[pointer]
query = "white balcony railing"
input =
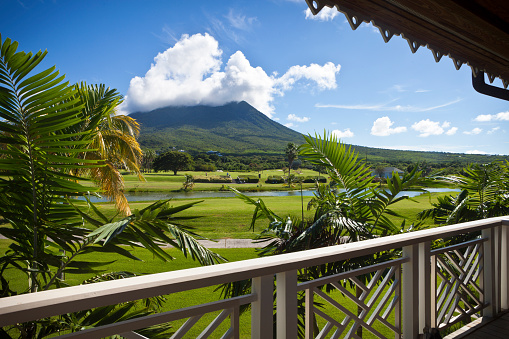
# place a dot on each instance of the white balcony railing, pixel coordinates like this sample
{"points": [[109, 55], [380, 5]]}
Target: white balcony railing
{"points": [[423, 288]]}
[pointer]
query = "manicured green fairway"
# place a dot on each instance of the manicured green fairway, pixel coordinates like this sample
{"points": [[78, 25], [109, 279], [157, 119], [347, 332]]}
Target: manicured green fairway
{"points": [[166, 181], [231, 217]]}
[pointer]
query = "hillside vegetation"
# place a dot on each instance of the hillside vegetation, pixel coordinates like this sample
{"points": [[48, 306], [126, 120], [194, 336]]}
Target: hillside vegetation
{"points": [[239, 129]]}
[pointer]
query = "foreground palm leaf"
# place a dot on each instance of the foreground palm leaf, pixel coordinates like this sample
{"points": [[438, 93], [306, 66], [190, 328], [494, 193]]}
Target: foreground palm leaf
{"points": [[114, 141], [48, 142], [484, 194]]}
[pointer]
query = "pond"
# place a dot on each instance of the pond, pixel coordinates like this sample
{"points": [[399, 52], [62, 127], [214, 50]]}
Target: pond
{"points": [[150, 196]]}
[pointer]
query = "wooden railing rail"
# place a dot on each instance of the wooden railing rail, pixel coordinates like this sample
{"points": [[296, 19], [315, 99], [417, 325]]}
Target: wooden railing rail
{"points": [[480, 266]]}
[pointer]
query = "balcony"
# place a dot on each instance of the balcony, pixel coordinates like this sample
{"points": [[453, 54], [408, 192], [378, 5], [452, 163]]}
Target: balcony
{"points": [[424, 288]]}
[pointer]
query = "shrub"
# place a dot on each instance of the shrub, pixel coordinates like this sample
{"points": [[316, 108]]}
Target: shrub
{"points": [[312, 179], [253, 179], [275, 180]]}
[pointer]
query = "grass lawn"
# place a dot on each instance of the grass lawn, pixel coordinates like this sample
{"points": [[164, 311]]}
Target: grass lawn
{"points": [[166, 181], [231, 217]]}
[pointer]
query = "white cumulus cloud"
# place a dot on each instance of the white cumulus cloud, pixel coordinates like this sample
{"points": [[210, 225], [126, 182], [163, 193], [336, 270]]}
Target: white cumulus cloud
{"points": [[452, 131], [502, 116], [428, 127], [190, 73], [293, 117], [382, 127], [326, 14], [475, 131], [343, 134]]}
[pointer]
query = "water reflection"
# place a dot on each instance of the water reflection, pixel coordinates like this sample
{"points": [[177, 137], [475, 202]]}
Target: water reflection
{"points": [[150, 196]]}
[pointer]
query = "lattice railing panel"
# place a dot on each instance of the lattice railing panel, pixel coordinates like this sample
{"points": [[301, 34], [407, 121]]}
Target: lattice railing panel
{"points": [[376, 296], [457, 271]]}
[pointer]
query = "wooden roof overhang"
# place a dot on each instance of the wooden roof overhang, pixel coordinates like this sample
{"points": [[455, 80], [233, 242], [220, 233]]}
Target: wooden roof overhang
{"points": [[472, 32]]}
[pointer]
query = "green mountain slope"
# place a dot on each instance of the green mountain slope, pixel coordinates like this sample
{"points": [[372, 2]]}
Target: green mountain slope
{"points": [[238, 128], [233, 128]]}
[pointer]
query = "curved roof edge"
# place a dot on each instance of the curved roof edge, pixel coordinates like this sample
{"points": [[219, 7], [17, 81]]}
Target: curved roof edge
{"points": [[475, 32]]}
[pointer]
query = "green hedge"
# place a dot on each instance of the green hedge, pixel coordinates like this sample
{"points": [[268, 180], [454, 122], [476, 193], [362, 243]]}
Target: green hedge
{"points": [[252, 179], [214, 180], [312, 179], [274, 180]]}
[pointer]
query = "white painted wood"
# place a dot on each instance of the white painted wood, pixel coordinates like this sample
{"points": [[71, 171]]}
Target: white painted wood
{"points": [[310, 314], [424, 286], [489, 283], [181, 332], [262, 309], [286, 305], [411, 292], [30, 306], [493, 274], [207, 332], [504, 269], [133, 335]]}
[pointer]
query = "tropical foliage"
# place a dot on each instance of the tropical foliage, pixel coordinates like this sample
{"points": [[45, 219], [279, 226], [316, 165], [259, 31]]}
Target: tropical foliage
{"points": [[114, 141], [484, 194], [350, 208], [291, 152], [47, 145]]}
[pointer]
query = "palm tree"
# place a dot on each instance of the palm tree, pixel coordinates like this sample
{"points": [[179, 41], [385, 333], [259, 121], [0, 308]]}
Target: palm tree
{"points": [[291, 152], [148, 158], [114, 141], [350, 208], [484, 194], [45, 142]]}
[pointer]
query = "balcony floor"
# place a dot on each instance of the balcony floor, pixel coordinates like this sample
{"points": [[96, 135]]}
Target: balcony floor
{"points": [[497, 328]]}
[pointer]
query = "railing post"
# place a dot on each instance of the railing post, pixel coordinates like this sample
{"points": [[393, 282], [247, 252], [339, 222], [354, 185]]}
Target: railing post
{"points": [[310, 314], [286, 305], [262, 309], [424, 286], [488, 280], [410, 298], [504, 262]]}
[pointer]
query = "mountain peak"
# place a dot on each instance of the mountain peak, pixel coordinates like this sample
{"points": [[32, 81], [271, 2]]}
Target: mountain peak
{"points": [[235, 127]]}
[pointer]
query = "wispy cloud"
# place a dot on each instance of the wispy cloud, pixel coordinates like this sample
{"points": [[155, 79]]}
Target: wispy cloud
{"points": [[387, 107], [466, 149], [475, 131], [290, 125], [476, 152], [493, 130], [239, 20]]}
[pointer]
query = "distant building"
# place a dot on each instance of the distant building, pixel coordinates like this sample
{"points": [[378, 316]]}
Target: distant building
{"points": [[215, 153], [388, 172]]}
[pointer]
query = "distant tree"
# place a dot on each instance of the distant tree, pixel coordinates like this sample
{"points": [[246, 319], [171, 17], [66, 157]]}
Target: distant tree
{"points": [[291, 152], [148, 158], [188, 184], [173, 161], [380, 170]]}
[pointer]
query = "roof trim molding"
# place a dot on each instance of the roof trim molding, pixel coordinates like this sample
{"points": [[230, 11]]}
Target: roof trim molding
{"points": [[442, 37]]}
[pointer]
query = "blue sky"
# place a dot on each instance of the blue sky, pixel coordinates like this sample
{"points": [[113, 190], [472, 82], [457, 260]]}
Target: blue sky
{"points": [[309, 73]]}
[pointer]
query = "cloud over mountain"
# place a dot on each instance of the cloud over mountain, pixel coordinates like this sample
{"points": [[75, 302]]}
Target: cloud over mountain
{"points": [[190, 73]]}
